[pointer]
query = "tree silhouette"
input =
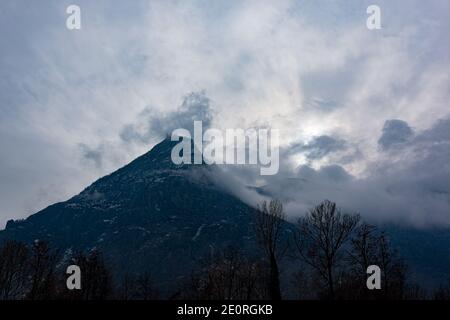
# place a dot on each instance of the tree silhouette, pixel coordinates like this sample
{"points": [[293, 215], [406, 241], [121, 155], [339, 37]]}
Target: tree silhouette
{"points": [[42, 267], [13, 270], [145, 288], [393, 269], [228, 276], [363, 253], [443, 292], [269, 220], [320, 239], [96, 280]]}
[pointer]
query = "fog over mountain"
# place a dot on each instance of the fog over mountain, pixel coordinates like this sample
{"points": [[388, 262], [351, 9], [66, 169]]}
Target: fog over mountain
{"points": [[364, 115], [408, 184]]}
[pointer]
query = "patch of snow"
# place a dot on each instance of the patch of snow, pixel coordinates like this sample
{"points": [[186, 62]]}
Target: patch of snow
{"points": [[197, 234]]}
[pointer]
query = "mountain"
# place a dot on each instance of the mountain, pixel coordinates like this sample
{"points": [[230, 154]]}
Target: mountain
{"points": [[157, 217], [151, 215], [426, 251]]}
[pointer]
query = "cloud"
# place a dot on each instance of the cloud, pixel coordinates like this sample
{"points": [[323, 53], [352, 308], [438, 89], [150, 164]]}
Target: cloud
{"points": [[409, 187], [395, 132], [437, 133], [90, 154], [151, 125], [81, 104], [320, 104], [320, 147]]}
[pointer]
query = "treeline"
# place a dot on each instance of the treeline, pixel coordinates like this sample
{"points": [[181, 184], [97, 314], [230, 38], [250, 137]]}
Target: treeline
{"points": [[325, 255], [35, 273], [38, 272]]}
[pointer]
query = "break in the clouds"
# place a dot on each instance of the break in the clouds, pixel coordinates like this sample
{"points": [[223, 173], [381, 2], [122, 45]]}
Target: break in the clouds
{"points": [[361, 108]]}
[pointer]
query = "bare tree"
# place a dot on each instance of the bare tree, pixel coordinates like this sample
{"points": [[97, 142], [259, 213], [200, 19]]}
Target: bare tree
{"points": [[145, 288], [321, 237], [228, 276], [303, 284], [372, 247], [364, 247], [362, 253], [269, 220], [13, 270], [96, 278], [443, 292], [393, 269], [415, 291], [42, 267], [127, 287]]}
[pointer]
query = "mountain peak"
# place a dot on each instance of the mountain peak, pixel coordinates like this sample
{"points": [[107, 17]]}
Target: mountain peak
{"points": [[150, 214]]}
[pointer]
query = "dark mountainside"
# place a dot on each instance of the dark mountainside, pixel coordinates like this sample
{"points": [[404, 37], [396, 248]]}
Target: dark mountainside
{"points": [[150, 215], [427, 253], [158, 217]]}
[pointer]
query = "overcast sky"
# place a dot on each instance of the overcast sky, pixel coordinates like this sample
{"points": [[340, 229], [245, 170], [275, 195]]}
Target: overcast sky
{"points": [[365, 115]]}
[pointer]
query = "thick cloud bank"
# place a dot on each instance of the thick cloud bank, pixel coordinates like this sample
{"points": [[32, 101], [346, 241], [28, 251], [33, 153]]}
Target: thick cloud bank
{"points": [[409, 183]]}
